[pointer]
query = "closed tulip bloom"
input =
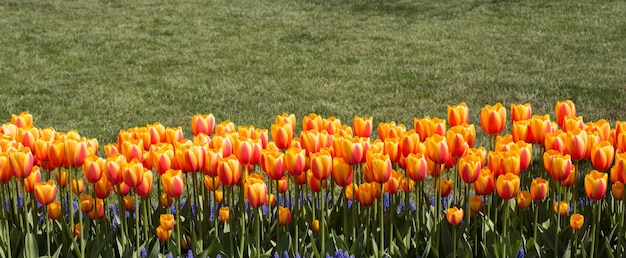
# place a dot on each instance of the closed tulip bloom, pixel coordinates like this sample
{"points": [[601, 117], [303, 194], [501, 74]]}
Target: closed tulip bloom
{"points": [[86, 203], [390, 130], [520, 112], [454, 215], [202, 124], [31, 180], [538, 189], [54, 210], [163, 234], [445, 188], [469, 168], [61, 178], [601, 127], [362, 126], [458, 114], [93, 168], [486, 182], [78, 186], [523, 200], [592, 139], [381, 168], [427, 127], [315, 184], [576, 221], [21, 162], [114, 170], [571, 178], [455, 139], [162, 157], [310, 141], [393, 184], [23, 120], [571, 123], [416, 167], [602, 155], [98, 210], [437, 149], [145, 186], [316, 225], [555, 141], [211, 183], [561, 166], [366, 194], [525, 154], [284, 216], [173, 183], [102, 187], [564, 109], [352, 150], [211, 162], [342, 172], [617, 190], [493, 119], [561, 208], [312, 122], [133, 173], [224, 214], [229, 170], [167, 221], [507, 185], [5, 168], [45, 192], [495, 160], [257, 194], [392, 149], [282, 135], [576, 143], [42, 150], [476, 203], [219, 196], [539, 127], [133, 149], [174, 135], [521, 131], [321, 165], [282, 185], [595, 184], [272, 164], [511, 162], [194, 157], [166, 200]]}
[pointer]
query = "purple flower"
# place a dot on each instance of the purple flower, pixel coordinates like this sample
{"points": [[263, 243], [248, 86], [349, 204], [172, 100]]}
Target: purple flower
{"points": [[143, 253], [189, 254], [169, 255]]}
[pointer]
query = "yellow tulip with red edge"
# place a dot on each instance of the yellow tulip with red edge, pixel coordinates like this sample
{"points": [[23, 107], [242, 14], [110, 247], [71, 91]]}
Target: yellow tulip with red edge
{"points": [[507, 185], [520, 112], [538, 189], [561, 208], [454, 215], [202, 124], [342, 172], [458, 114], [132, 173], [54, 210], [485, 183], [45, 192], [257, 194], [93, 168], [564, 109], [173, 183], [469, 168], [576, 143], [381, 168], [561, 166], [524, 200], [31, 180], [476, 203], [273, 164], [229, 170], [21, 161], [282, 134], [596, 183], [284, 216], [539, 127], [576, 221], [521, 131], [437, 149], [163, 234], [602, 155], [617, 190], [362, 126], [493, 118], [416, 167]]}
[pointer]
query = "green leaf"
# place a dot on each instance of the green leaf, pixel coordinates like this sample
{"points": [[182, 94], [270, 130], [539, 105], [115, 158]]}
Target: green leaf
{"points": [[30, 246]]}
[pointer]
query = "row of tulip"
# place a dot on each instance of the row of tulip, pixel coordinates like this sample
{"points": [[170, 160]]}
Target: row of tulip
{"points": [[231, 191]]}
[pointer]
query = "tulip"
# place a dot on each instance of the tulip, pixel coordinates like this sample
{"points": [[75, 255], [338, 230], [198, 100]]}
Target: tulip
{"points": [[54, 210], [224, 214], [163, 234], [576, 221], [390, 130], [437, 149], [393, 184], [595, 184], [295, 161], [539, 127], [202, 124], [173, 183], [166, 200], [132, 173], [392, 149], [576, 143], [571, 178], [571, 123], [427, 127], [495, 160], [416, 166], [469, 168], [507, 185], [45, 193], [476, 203], [211, 183], [564, 109], [310, 141], [129, 203], [114, 166], [145, 186], [162, 157], [456, 141], [485, 183], [284, 216], [445, 188], [602, 155], [381, 168], [229, 170], [561, 166], [520, 112], [561, 208], [173, 135], [86, 203], [93, 168], [538, 189], [315, 184], [31, 180], [316, 225], [257, 194], [367, 193], [312, 122], [5, 168], [454, 215], [521, 131], [362, 126], [282, 135], [167, 221], [601, 127], [458, 115], [23, 120], [21, 162], [493, 119], [321, 165], [511, 162], [342, 172], [617, 190], [523, 200], [78, 186]]}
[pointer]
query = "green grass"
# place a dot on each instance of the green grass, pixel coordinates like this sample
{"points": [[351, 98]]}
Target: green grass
{"points": [[102, 66]]}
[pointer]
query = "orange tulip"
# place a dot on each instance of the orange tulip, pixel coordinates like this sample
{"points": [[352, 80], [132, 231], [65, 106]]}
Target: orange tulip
{"points": [[145, 186], [595, 184], [321, 165], [602, 155], [539, 127], [571, 123], [61, 178], [617, 190], [564, 109], [284, 216], [163, 234], [493, 119], [295, 161], [224, 214], [21, 161], [454, 215], [310, 141], [538, 189], [102, 187], [162, 156], [86, 203], [367, 193], [416, 166], [576, 143], [381, 168], [114, 170], [427, 127], [392, 149], [272, 164], [202, 124], [555, 141], [167, 221], [561, 208], [78, 186], [45, 192], [458, 138], [511, 162], [31, 180], [23, 120], [173, 183], [257, 194], [315, 184], [486, 182], [390, 130], [458, 115], [129, 203], [173, 135], [312, 122], [520, 112], [166, 200], [229, 170], [352, 150], [507, 185], [316, 225], [362, 126], [495, 160], [54, 210], [93, 168], [5, 168], [576, 221], [132, 173], [521, 131], [523, 200], [342, 172], [469, 168], [445, 188], [601, 127], [42, 150], [561, 166], [437, 149], [211, 183], [98, 210], [476, 203], [282, 135]]}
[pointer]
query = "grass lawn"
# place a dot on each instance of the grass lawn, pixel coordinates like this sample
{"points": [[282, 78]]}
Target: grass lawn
{"points": [[102, 66]]}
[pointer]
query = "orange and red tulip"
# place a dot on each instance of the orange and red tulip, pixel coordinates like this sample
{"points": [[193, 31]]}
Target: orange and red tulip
{"points": [[571, 123], [257, 194], [284, 216], [342, 172], [93, 168], [507, 185], [521, 131], [523, 200], [23, 120], [295, 161], [229, 170], [367, 194], [417, 166], [454, 215], [617, 190], [173, 183], [31, 180], [561, 166], [145, 186], [392, 149], [21, 162], [173, 135], [576, 143], [445, 188], [133, 172], [458, 114], [427, 126], [486, 182], [224, 214], [390, 130], [202, 124], [493, 119], [539, 127], [381, 168], [602, 155], [211, 183], [86, 203], [321, 165], [45, 192], [576, 221], [352, 150], [54, 210], [166, 200], [520, 112], [476, 203], [167, 221], [282, 135], [78, 186], [469, 168], [561, 208], [538, 189], [596, 184], [437, 149], [312, 122], [162, 234], [564, 109], [273, 164], [362, 126]]}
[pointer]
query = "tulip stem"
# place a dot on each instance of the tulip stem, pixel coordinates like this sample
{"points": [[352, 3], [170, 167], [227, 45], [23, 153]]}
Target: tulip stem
{"points": [[297, 213], [595, 223], [47, 231], [177, 208], [145, 218], [382, 220], [454, 241], [137, 229], [258, 232], [505, 227], [535, 226]]}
